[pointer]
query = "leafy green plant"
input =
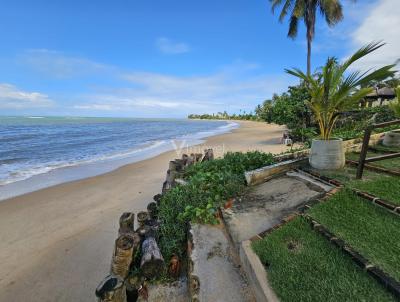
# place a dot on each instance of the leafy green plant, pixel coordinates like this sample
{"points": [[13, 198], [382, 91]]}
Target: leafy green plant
{"points": [[205, 215], [395, 106], [332, 91], [209, 186]]}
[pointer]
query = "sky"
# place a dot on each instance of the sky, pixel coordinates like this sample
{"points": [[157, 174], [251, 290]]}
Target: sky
{"points": [[157, 58]]}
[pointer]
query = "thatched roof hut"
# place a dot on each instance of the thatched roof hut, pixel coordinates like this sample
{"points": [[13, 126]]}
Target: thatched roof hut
{"points": [[386, 93]]}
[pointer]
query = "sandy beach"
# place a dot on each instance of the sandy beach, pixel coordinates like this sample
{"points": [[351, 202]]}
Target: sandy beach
{"points": [[56, 243]]}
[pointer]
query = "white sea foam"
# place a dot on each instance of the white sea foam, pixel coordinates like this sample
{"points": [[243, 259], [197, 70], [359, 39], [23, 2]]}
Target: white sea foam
{"points": [[119, 158]]}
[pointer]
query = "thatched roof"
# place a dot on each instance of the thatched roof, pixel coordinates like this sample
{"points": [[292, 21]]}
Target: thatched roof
{"points": [[384, 92]]}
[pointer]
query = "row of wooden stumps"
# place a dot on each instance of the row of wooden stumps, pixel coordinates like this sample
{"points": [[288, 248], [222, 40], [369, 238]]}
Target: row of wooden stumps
{"points": [[137, 257]]}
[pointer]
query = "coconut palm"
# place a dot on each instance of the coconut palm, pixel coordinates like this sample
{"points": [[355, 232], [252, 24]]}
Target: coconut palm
{"points": [[333, 90], [306, 10]]}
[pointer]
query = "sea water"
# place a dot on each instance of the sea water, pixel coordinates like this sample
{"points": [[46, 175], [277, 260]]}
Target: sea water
{"points": [[52, 150]]}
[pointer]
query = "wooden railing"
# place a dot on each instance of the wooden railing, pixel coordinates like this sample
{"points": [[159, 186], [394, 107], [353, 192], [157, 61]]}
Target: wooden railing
{"points": [[364, 149]]}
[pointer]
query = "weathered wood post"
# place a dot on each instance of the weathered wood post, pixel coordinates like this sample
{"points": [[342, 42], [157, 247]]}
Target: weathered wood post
{"points": [[198, 157], [125, 247], [152, 209], [184, 159], [142, 217], [126, 223], [208, 155], [111, 289], [157, 198], [152, 262]]}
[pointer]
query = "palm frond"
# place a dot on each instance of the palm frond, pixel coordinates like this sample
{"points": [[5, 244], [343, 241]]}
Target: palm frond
{"points": [[285, 9], [294, 22], [362, 52]]}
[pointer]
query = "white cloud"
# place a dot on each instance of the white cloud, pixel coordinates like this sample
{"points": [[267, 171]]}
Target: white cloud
{"points": [[13, 98], [164, 94], [167, 46], [381, 23], [239, 85], [57, 64]]}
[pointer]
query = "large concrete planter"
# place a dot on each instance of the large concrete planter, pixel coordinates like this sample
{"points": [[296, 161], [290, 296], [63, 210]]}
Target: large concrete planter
{"points": [[392, 139], [327, 154]]}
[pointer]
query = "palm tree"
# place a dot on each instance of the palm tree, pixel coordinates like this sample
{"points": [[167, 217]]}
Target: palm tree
{"points": [[306, 10], [333, 90]]}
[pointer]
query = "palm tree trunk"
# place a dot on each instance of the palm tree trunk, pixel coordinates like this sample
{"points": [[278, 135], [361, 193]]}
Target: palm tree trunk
{"points": [[308, 55]]}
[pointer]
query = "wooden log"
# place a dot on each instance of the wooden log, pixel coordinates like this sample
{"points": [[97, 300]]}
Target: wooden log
{"points": [[157, 198], [152, 209], [190, 160], [126, 223], [208, 155], [179, 164], [172, 166], [142, 217], [184, 159], [152, 262], [123, 255], [171, 175], [198, 157], [111, 289], [166, 186]]}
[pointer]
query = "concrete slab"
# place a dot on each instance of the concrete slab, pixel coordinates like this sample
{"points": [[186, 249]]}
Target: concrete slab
{"points": [[310, 180], [218, 278], [176, 291], [266, 204]]}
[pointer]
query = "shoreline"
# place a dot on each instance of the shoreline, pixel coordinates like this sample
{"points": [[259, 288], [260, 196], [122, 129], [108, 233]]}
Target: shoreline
{"points": [[79, 171], [61, 238]]}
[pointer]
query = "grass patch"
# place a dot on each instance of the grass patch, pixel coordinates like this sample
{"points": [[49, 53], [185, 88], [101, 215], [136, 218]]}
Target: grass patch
{"points": [[369, 229], [391, 164], [382, 185], [304, 266]]}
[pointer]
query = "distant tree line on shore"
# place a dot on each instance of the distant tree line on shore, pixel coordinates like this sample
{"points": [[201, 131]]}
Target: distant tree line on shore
{"points": [[290, 109], [225, 116]]}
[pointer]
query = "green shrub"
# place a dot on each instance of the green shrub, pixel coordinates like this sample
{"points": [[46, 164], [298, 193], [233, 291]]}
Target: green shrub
{"points": [[210, 185]]}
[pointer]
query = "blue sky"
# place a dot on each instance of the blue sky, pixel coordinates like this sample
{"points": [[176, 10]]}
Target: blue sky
{"points": [[166, 58]]}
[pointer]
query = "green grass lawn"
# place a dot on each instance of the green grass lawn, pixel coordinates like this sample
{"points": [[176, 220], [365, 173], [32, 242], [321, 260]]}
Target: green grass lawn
{"points": [[304, 266], [382, 185], [391, 164], [369, 229]]}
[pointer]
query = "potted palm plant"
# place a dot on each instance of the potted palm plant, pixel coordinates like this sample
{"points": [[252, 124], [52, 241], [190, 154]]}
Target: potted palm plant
{"points": [[333, 91], [392, 138]]}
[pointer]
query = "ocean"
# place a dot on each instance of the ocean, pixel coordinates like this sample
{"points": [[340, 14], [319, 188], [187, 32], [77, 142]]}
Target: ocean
{"points": [[52, 150]]}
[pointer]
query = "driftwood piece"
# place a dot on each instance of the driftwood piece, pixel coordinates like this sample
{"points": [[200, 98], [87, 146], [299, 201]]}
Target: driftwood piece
{"points": [[126, 223], [111, 289], [125, 247], [152, 262]]}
